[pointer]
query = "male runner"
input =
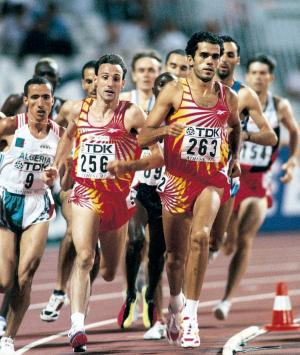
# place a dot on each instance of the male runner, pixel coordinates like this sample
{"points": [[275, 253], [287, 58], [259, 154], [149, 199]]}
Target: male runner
{"points": [[146, 67], [66, 250], [14, 104], [104, 161], [177, 63], [195, 182], [254, 198], [26, 202], [248, 104]]}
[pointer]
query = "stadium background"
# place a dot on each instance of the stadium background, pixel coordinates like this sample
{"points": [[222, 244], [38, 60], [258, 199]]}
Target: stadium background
{"points": [[84, 30]]}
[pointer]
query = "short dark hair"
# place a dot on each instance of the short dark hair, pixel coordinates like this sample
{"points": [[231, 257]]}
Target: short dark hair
{"points": [[114, 59], [175, 51], [145, 54], [90, 64], [262, 58], [199, 37], [36, 80], [161, 81], [226, 38]]}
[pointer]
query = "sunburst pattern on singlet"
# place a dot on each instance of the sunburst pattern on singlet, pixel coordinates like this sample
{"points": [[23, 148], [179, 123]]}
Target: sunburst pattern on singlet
{"points": [[96, 146], [202, 149]]}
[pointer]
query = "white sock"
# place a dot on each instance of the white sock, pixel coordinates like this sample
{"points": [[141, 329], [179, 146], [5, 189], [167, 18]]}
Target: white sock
{"points": [[176, 302], [77, 319], [190, 309]]}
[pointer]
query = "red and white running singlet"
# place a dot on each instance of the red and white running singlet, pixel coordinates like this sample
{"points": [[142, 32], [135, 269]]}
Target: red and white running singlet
{"points": [[96, 146], [202, 149]]}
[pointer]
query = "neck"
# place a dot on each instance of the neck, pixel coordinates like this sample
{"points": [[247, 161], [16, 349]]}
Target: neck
{"points": [[263, 97], [229, 80], [36, 125], [102, 106], [144, 94], [200, 84]]}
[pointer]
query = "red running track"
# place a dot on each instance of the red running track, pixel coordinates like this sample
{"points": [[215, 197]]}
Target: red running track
{"points": [[275, 258]]}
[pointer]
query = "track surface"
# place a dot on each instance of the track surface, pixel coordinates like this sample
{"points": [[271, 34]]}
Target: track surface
{"points": [[275, 258]]}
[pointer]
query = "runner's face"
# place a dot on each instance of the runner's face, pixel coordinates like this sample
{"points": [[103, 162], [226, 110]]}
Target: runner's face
{"points": [[109, 82], [205, 61], [39, 101], [48, 72], [146, 70], [88, 82], [228, 61], [259, 77], [178, 65]]}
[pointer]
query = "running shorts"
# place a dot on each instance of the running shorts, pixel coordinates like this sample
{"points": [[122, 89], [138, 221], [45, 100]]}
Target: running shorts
{"points": [[114, 208], [18, 212], [178, 194]]}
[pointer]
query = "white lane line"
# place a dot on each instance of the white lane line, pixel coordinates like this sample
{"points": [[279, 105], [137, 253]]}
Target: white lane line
{"points": [[242, 299], [214, 272], [207, 285]]}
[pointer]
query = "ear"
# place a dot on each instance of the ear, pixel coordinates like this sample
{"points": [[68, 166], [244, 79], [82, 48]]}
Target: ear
{"points": [[133, 77], [272, 77], [123, 84], [190, 60], [25, 100], [239, 61]]}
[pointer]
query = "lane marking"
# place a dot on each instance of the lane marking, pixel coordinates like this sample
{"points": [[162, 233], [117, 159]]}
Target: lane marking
{"points": [[99, 324], [207, 285]]}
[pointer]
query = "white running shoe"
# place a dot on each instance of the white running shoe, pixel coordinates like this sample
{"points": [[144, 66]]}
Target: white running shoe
{"points": [[190, 333], [2, 326], [7, 346], [78, 339], [212, 256], [174, 326], [51, 312], [158, 331], [222, 309]]}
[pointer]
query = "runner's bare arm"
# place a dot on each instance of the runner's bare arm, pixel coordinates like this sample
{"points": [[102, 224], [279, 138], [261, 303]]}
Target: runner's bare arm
{"points": [[266, 135], [8, 126], [64, 114], [169, 97], [286, 116], [234, 137]]}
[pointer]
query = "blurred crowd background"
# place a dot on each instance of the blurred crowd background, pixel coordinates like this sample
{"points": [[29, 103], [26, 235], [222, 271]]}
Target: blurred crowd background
{"points": [[74, 32]]}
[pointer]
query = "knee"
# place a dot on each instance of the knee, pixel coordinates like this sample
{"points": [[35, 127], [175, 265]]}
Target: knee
{"points": [[200, 240], [25, 276], [108, 274], [85, 259], [136, 243], [244, 243], [175, 261], [6, 283]]}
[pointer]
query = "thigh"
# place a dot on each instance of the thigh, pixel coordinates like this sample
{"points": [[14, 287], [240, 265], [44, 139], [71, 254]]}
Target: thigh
{"points": [[206, 208], [7, 251], [176, 231], [112, 245], [66, 205], [252, 214], [85, 228], [137, 223], [32, 246]]}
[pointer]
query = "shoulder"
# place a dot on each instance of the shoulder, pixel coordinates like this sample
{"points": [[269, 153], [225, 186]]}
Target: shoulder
{"points": [[134, 116], [231, 95]]}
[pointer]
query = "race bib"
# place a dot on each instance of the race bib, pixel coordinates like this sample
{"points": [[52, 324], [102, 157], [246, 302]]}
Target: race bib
{"points": [[93, 159], [255, 154], [150, 177], [201, 144]]}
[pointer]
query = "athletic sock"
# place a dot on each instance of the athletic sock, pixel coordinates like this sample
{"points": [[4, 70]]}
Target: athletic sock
{"points": [[190, 309], [77, 320]]}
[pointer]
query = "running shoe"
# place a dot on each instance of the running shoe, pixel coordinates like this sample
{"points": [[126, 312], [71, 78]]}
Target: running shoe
{"points": [[51, 312], [190, 333], [158, 331], [127, 314], [222, 309], [77, 339], [149, 310], [2, 326], [174, 326], [7, 346]]}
